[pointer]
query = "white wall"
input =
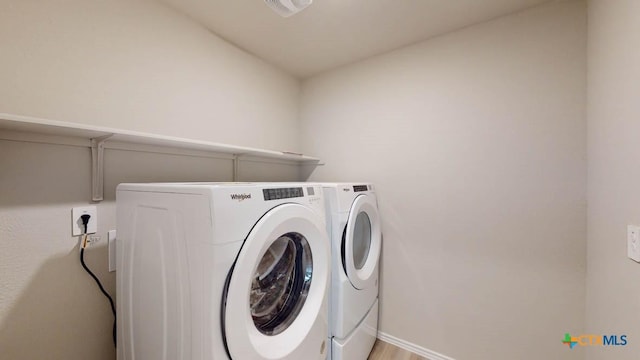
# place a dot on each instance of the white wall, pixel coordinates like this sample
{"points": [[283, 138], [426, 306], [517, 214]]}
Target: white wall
{"points": [[127, 64], [613, 289], [477, 143], [138, 65]]}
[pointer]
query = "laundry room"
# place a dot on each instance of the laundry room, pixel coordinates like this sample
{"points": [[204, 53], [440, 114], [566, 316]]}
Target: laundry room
{"points": [[490, 144]]}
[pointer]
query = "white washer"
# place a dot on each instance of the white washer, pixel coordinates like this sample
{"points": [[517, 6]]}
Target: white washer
{"points": [[222, 271], [353, 224]]}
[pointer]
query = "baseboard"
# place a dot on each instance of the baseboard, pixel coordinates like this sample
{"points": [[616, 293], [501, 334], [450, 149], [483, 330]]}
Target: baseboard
{"points": [[419, 350]]}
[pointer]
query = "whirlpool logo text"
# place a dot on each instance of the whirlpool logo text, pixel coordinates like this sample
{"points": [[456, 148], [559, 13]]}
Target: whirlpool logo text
{"points": [[240, 197]]}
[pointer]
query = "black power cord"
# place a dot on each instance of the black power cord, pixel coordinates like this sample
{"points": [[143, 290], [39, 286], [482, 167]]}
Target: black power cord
{"points": [[85, 220]]}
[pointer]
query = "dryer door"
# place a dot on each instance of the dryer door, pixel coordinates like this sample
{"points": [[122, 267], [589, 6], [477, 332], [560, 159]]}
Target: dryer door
{"points": [[361, 243], [275, 305]]}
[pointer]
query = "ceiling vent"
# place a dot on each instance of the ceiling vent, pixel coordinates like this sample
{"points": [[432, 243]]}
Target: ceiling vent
{"points": [[287, 8]]}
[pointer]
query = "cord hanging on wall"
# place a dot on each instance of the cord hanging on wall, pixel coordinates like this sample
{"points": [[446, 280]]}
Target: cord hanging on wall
{"points": [[83, 244], [287, 8]]}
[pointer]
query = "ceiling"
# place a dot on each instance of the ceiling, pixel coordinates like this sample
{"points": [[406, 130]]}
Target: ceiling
{"points": [[330, 33]]}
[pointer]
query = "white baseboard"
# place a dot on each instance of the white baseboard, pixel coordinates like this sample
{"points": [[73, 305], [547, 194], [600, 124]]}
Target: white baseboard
{"points": [[419, 350]]}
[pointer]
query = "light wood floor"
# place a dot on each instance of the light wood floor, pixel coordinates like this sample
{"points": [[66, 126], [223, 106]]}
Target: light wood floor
{"points": [[385, 351]]}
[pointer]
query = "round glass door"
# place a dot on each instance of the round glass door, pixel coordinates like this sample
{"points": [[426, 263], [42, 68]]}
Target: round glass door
{"points": [[274, 300], [281, 283], [362, 242]]}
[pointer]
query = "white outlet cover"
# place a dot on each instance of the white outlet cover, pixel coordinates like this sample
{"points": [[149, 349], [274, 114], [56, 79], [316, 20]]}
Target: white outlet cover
{"points": [[633, 242], [76, 221]]}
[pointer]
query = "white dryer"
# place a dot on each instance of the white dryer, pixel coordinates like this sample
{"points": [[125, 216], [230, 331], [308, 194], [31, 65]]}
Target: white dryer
{"points": [[353, 224], [222, 271]]}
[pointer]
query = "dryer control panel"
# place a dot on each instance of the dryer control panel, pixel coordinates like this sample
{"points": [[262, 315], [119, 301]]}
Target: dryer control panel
{"points": [[312, 193], [359, 188]]}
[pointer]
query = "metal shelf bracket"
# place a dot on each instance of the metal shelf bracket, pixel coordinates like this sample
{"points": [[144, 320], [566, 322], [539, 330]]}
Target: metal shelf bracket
{"points": [[97, 167], [236, 166]]}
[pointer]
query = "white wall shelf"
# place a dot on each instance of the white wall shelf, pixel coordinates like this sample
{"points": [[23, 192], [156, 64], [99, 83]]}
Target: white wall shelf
{"points": [[24, 128]]}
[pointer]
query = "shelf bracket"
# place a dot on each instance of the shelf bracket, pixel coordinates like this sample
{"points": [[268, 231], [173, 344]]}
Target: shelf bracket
{"points": [[97, 167], [236, 164]]}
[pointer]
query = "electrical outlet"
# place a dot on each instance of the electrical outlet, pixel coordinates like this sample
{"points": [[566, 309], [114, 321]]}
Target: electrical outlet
{"points": [[94, 240], [76, 220]]}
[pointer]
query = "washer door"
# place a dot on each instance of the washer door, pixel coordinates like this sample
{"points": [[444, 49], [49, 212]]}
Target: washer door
{"points": [[275, 302], [361, 243]]}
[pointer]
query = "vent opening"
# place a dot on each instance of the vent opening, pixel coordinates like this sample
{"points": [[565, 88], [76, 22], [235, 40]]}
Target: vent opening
{"points": [[287, 8]]}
